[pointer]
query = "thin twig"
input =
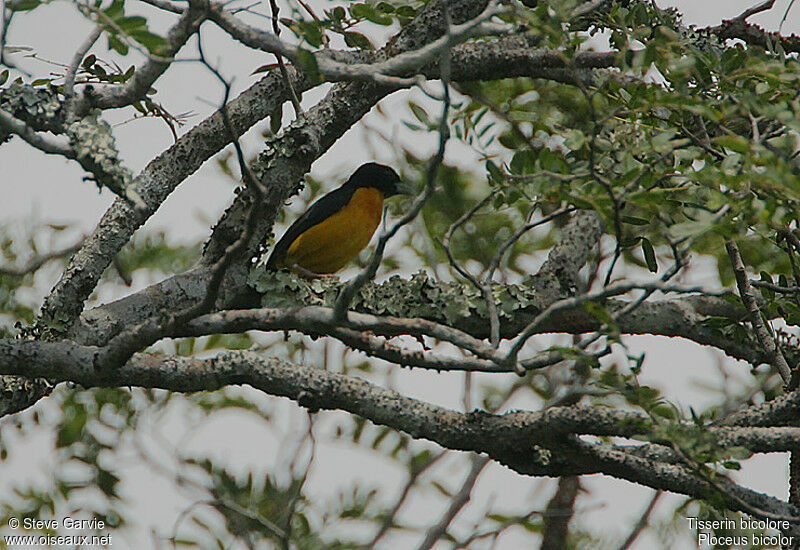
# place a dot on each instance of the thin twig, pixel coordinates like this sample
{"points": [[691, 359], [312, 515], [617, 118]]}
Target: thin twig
{"points": [[483, 287], [478, 535], [376, 347], [104, 19], [285, 540], [678, 264], [605, 292], [33, 264], [763, 6], [320, 320], [69, 77], [324, 36], [785, 15], [748, 508], [456, 504], [165, 5], [386, 72], [388, 521], [7, 15], [219, 502], [368, 273], [520, 232], [748, 299], [252, 184], [775, 288], [644, 519], [298, 110], [124, 345]]}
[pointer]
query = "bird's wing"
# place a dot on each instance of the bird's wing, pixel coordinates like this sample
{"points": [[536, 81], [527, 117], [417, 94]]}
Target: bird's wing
{"points": [[320, 211]]}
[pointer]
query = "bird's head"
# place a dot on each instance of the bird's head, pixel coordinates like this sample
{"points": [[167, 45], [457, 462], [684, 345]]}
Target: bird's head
{"points": [[381, 177]]}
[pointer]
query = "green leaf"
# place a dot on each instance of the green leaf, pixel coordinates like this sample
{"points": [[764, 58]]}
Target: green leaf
{"points": [[359, 10], [375, 16], [311, 31], [733, 142], [338, 13], [406, 11], [574, 139], [649, 255], [26, 5], [495, 174], [106, 481], [419, 113], [309, 64], [132, 23], [442, 489], [634, 220], [265, 68], [71, 429], [114, 43], [357, 40], [276, 119], [664, 411], [598, 312], [149, 40], [115, 11], [739, 453]]}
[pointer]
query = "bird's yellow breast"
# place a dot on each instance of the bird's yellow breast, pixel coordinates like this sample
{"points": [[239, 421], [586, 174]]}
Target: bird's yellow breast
{"points": [[329, 245]]}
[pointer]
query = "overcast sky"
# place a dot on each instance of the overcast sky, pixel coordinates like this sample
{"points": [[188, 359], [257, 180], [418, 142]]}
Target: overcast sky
{"points": [[50, 189]]}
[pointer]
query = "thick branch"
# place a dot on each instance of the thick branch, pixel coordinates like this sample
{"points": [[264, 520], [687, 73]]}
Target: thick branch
{"points": [[528, 442], [289, 157], [403, 63], [479, 60], [558, 277], [451, 305], [159, 178], [754, 35], [109, 97], [46, 144], [558, 514]]}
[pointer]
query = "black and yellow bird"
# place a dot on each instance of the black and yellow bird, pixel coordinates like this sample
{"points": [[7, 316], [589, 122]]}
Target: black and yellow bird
{"points": [[340, 224]]}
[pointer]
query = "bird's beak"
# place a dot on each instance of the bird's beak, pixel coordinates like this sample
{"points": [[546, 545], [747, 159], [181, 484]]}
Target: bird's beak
{"points": [[404, 188]]}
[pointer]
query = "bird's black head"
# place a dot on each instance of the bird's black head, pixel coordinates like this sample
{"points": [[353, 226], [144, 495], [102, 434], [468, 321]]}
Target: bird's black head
{"points": [[381, 177]]}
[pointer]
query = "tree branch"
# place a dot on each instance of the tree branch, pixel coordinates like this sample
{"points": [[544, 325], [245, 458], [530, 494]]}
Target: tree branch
{"points": [[162, 175], [776, 358], [511, 439], [158, 179], [37, 261], [112, 97], [398, 65], [754, 35], [459, 500], [558, 514]]}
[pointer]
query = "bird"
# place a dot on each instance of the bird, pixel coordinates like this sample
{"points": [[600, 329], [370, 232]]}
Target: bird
{"points": [[339, 225]]}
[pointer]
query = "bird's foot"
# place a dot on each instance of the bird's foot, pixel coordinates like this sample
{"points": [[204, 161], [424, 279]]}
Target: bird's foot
{"points": [[306, 274]]}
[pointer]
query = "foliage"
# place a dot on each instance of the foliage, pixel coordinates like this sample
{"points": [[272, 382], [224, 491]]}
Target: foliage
{"points": [[686, 143]]}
